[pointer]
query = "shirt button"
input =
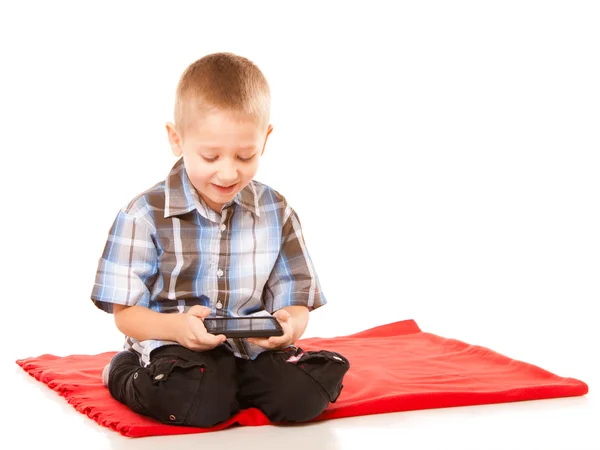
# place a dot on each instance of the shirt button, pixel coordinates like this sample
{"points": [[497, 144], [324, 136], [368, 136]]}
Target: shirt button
{"points": [[219, 273], [223, 227], [219, 305]]}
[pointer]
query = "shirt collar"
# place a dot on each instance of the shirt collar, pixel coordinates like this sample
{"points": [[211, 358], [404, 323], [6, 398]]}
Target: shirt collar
{"points": [[181, 196]]}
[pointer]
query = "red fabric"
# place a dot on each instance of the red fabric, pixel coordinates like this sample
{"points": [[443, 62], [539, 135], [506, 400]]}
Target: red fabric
{"points": [[394, 367]]}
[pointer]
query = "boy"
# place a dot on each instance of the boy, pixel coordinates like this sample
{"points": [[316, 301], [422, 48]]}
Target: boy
{"points": [[211, 241]]}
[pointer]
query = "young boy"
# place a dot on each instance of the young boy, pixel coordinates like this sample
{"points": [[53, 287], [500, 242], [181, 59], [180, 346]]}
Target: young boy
{"points": [[211, 241]]}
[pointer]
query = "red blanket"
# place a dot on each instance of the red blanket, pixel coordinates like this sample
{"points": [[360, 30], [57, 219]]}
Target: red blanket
{"points": [[394, 367]]}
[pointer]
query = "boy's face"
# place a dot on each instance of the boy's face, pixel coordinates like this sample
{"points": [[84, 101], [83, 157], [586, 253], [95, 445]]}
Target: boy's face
{"points": [[221, 154]]}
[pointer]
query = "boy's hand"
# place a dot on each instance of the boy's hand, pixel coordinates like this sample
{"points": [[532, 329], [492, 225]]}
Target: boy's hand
{"points": [[191, 332], [278, 342]]}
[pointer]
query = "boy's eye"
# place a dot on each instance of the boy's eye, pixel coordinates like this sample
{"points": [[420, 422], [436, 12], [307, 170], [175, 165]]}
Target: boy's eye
{"points": [[214, 158]]}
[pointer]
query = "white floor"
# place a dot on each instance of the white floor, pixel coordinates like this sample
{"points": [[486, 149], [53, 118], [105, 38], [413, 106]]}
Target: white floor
{"points": [[43, 418], [40, 417]]}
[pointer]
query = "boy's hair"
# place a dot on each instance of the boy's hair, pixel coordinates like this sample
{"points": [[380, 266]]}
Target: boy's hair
{"points": [[222, 81]]}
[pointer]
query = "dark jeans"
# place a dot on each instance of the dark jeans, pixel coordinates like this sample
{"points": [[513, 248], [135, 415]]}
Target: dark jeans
{"points": [[202, 389]]}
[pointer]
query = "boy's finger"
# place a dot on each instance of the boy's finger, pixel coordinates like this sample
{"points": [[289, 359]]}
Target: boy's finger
{"points": [[258, 341], [211, 339], [199, 311], [282, 315], [278, 341]]}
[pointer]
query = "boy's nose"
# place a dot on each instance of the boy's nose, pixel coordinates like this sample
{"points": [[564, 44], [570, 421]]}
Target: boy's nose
{"points": [[228, 173]]}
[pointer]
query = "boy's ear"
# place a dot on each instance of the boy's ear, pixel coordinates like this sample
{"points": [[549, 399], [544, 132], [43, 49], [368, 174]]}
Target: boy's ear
{"points": [[174, 139], [269, 131]]}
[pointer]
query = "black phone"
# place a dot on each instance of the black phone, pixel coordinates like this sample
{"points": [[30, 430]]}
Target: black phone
{"points": [[243, 327]]}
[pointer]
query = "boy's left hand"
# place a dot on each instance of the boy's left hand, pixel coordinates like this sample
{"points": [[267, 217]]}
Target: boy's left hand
{"points": [[278, 342]]}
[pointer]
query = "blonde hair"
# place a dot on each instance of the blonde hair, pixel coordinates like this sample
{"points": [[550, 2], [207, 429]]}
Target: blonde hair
{"points": [[222, 81]]}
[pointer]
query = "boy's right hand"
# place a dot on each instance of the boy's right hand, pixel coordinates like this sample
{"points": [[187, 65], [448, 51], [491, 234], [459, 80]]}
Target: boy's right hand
{"points": [[191, 332]]}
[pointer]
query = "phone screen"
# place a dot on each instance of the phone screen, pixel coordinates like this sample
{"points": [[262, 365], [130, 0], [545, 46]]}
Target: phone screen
{"points": [[243, 326]]}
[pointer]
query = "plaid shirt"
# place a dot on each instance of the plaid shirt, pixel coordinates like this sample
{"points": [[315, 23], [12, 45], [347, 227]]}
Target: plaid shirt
{"points": [[168, 251]]}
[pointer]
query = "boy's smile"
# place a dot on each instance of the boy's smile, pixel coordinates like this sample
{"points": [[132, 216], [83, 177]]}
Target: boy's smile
{"points": [[221, 153], [225, 189]]}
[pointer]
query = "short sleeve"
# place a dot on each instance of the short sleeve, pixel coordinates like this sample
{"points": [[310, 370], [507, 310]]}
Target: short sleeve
{"points": [[293, 280], [128, 265]]}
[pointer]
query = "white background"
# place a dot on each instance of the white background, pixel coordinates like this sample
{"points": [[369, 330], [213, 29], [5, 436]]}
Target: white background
{"points": [[442, 157]]}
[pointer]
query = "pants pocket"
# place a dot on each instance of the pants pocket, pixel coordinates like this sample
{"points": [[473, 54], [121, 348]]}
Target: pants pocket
{"points": [[327, 369], [174, 390]]}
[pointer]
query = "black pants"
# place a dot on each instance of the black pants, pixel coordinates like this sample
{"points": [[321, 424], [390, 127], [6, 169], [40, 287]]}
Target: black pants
{"points": [[202, 389]]}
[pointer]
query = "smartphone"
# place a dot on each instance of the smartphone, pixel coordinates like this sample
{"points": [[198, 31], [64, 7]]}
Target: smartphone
{"points": [[243, 327]]}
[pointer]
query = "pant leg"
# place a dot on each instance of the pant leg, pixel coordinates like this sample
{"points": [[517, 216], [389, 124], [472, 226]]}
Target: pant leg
{"points": [[291, 385], [179, 387]]}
